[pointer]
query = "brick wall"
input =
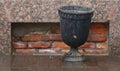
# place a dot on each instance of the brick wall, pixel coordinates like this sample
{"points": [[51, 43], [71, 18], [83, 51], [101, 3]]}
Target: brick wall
{"points": [[31, 38]]}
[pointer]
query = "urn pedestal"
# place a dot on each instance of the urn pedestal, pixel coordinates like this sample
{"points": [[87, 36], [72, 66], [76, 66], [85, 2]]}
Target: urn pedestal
{"points": [[74, 25]]}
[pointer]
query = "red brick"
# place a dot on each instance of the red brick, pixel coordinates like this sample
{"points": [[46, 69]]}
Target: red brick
{"points": [[63, 45], [48, 50], [95, 51], [88, 51], [88, 45], [54, 30], [51, 50], [101, 45], [31, 37], [51, 37], [81, 51], [98, 28], [67, 50], [25, 50], [39, 44], [19, 44], [59, 45], [97, 38], [15, 39]]}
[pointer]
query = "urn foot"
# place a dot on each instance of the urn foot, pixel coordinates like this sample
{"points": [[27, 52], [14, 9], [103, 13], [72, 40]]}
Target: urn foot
{"points": [[73, 55]]}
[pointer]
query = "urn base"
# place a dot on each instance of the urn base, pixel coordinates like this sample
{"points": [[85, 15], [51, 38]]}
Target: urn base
{"points": [[73, 55]]}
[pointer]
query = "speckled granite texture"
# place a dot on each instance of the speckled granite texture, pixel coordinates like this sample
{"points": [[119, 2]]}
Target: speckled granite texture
{"points": [[46, 11]]}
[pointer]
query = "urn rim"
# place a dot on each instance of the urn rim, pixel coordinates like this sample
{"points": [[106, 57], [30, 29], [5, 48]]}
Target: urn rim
{"points": [[76, 9]]}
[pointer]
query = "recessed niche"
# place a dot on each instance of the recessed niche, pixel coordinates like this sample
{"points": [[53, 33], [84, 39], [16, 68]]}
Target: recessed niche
{"points": [[45, 38]]}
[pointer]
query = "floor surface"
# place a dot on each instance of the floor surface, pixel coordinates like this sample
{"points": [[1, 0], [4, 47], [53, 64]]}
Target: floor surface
{"points": [[55, 63]]}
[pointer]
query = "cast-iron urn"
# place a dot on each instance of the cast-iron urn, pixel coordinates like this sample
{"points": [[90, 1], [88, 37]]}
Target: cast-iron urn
{"points": [[74, 25]]}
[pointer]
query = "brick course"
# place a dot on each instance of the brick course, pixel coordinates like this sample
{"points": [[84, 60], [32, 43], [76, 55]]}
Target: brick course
{"points": [[39, 44], [31, 37], [19, 44], [59, 45], [51, 37], [25, 51], [99, 28], [97, 38]]}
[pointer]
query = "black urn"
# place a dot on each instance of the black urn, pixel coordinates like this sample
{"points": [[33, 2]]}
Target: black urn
{"points": [[74, 25]]}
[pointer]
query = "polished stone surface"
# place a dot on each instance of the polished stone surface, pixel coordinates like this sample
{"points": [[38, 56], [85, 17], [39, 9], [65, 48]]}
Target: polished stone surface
{"points": [[54, 63]]}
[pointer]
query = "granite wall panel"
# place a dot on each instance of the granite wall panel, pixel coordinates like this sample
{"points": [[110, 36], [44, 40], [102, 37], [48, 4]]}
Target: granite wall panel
{"points": [[46, 11]]}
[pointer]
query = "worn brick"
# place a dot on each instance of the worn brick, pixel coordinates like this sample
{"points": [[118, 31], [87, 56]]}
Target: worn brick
{"points": [[31, 37], [81, 51], [101, 45], [25, 50], [49, 50], [97, 38], [15, 39], [59, 45], [39, 44], [98, 28], [54, 30], [88, 51], [20, 44], [67, 50], [88, 45], [63, 45], [51, 37], [95, 51]]}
